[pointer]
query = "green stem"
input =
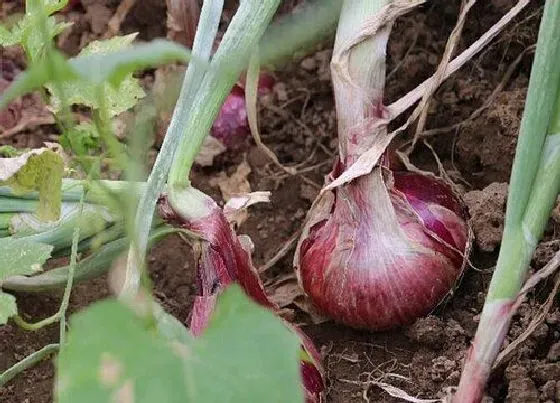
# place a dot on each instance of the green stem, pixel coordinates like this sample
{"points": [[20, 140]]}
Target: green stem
{"points": [[28, 362], [541, 96], [534, 186], [202, 48], [33, 327], [71, 273], [92, 266], [299, 33], [239, 41]]}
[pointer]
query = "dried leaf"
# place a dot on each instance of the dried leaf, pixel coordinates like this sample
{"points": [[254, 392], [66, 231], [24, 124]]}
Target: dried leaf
{"points": [[235, 209], [211, 148], [234, 185]]}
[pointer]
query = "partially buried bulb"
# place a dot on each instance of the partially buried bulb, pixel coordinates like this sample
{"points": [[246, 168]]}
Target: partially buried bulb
{"points": [[384, 249]]}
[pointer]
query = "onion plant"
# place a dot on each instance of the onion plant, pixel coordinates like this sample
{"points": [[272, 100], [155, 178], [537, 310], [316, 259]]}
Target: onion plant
{"points": [[534, 187]]}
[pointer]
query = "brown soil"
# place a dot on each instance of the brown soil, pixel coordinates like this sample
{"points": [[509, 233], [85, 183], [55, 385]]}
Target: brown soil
{"points": [[298, 122]]}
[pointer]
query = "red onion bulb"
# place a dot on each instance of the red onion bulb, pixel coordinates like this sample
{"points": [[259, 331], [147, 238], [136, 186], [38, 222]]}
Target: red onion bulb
{"points": [[384, 249], [231, 126], [223, 258]]}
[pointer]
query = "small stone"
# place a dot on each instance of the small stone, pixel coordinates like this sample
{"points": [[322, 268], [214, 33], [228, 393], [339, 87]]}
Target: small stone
{"points": [[549, 390], [309, 64], [516, 371], [554, 352], [553, 318], [543, 372], [280, 91], [557, 397], [427, 330], [522, 390]]}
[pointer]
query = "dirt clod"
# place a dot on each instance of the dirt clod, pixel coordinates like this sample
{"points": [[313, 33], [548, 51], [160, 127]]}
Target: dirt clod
{"points": [[554, 352], [549, 391], [487, 208], [429, 330], [522, 390]]}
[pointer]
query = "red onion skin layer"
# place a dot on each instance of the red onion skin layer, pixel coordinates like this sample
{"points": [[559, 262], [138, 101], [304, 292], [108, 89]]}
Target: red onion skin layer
{"points": [[231, 126], [222, 259], [384, 249]]}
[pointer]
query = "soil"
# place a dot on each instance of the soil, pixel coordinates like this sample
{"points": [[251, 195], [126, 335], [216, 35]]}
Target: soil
{"points": [[298, 124]]}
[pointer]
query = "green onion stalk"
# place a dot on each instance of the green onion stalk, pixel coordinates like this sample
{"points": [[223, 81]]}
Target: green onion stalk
{"points": [[193, 117], [534, 187]]}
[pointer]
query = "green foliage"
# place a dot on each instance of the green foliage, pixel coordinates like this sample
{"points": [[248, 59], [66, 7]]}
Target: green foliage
{"points": [[122, 95], [26, 33], [37, 170], [95, 69], [245, 355], [18, 257], [81, 138]]}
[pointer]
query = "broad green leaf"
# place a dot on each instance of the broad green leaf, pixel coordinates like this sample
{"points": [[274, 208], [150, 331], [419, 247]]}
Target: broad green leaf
{"points": [[245, 355], [37, 170], [8, 307], [94, 69], [118, 97], [47, 7], [18, 257]]}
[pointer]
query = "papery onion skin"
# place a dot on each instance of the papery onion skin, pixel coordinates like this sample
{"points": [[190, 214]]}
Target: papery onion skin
{"points": [[391, 248], [222, 258]]}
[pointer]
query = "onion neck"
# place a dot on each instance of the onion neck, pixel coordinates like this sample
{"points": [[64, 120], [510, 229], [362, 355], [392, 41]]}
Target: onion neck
{"points": [[359, 93]]}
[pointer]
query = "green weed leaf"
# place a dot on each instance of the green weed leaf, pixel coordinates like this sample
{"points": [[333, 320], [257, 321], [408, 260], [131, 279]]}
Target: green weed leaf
{"points": [[18, 257], [245, 355], [37, 170], [84, 90], [83, 73], [26, 33], [81, 139]]}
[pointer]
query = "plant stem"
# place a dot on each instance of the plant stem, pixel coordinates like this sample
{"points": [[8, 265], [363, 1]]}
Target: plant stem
{"points": [[299, 32], [534, 186], [202, 47], [71, 271], [359, 94], [27, 363], [238, 43], [92, 266], [61, 314]]}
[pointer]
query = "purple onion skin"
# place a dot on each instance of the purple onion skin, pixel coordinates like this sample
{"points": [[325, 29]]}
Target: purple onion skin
{"points": [[231, 126], [221, 260], [375, 268]]}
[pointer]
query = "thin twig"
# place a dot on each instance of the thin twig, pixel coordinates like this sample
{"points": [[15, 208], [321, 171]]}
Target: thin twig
{"points": [[281, 252], [31, 122], [116, 20], [398, 107], [438, 76], [535, 323], [488, 101]]}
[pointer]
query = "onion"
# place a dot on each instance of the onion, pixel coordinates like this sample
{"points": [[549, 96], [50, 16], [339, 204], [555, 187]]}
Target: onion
{"points": [[384, 249], [231, 126], [223, 258]]}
